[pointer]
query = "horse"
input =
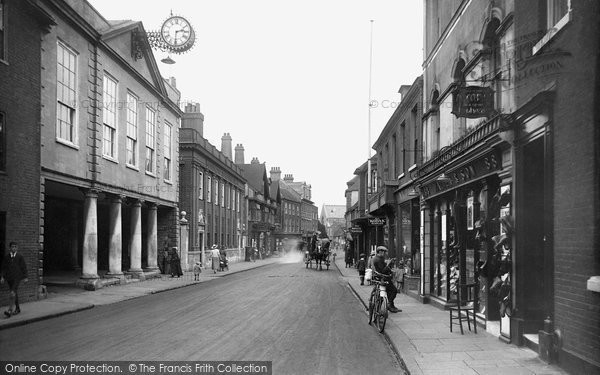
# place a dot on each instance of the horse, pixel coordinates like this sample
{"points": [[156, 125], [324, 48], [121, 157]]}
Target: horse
{"points": [[322, 254]]}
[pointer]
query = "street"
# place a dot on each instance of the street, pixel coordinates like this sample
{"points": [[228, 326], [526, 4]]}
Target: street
{"points": [[305, 321]]}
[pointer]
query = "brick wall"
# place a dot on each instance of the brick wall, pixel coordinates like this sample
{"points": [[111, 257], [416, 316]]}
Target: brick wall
{"points": [[576, 165], [577, 310], [20, 185]]}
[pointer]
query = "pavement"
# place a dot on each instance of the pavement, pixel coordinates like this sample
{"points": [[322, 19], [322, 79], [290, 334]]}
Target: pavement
{"points": [[421, 337], [66, 300]]}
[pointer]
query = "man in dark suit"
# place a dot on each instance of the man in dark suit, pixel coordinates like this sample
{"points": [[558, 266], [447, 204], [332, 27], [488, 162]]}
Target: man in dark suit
{"points": [[14, 270]]}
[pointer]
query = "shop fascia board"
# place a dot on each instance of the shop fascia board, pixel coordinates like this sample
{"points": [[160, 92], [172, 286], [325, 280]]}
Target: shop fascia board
{"points": [[469, 156]]}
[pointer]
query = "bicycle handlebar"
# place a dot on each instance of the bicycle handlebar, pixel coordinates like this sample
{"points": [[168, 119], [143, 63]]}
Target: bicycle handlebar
{"points": [[382, 275]]}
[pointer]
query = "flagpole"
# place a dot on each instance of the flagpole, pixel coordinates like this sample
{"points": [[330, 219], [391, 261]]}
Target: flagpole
{"points": [[369, 122], [369, 182]]}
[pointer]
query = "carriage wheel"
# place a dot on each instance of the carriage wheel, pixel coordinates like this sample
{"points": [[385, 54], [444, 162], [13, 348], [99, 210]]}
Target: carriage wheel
{"points": [[382, 314], [371, 306]]}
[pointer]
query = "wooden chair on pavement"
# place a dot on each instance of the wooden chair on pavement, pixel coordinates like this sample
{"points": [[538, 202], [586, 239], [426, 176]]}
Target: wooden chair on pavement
{"points": [[466, 302]]}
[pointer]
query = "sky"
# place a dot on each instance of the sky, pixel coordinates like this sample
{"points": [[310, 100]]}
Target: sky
{"points": [[290, 79]]}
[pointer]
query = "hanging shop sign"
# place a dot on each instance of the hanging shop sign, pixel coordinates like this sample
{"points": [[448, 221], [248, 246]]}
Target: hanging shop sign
{"points": [[376, 221], [356, 229], [483, 166], [473, 102]]}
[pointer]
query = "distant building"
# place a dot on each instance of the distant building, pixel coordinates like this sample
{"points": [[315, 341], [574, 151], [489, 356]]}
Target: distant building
{"points": [[288, 233], [332, 218], [399, 153], [212, 190], [308, 210], [262, 208]]}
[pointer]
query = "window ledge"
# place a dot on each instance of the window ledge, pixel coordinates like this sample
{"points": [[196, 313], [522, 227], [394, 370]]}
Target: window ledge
{"points": [[169, 182], [150, 174], [4, 62], [111, 159], [551, 33], [131, 166], [67, 143]]}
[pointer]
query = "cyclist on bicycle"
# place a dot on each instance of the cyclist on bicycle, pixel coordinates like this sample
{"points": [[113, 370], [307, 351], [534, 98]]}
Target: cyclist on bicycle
{"points": [[381, 266]]}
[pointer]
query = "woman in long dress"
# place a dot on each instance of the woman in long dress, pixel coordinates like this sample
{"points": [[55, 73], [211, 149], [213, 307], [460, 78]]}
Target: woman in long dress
{"points": [[175, 263], [216, 258]]}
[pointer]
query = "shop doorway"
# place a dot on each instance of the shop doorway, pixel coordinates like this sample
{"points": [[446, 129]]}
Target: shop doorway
{"points": [[535, 280]]}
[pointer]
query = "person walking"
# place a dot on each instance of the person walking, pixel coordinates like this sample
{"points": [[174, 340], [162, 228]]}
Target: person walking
{"points": [[215, 256], [175, 263], [362, 267], [14, 270]]}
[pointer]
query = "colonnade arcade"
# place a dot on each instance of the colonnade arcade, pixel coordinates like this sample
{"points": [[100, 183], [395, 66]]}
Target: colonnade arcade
{"points": [[105, 237]]}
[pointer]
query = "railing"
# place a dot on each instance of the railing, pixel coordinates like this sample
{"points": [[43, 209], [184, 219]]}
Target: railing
{"points": [[448, 153]]}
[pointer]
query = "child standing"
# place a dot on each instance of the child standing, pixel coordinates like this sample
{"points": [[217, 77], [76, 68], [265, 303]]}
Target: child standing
{"points": [[362, 266], [197, 270]]}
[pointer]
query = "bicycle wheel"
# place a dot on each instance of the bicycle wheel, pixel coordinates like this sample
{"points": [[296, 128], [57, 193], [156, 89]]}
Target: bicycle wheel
{"points": [[382, 314], [371, 306]]}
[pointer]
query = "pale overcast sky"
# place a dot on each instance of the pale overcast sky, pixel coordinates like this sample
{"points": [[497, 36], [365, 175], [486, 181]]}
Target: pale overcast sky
{"points": [[290, 79]]}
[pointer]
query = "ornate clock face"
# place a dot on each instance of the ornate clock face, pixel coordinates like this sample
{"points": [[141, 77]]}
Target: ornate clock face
{"points": [[177, 33]]}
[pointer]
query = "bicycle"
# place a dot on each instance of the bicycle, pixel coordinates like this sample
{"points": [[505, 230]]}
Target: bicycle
{"points": [[378, 302]]}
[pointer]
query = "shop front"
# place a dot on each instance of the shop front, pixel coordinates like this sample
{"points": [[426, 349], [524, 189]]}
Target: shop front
{"points": [[408, 236], [465, 199]]}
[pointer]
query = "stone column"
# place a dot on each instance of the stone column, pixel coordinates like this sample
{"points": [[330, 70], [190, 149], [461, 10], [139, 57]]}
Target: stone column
{"points": [[115, 247], [89, 277], [135, 244], [75, 219], [152, 237]]}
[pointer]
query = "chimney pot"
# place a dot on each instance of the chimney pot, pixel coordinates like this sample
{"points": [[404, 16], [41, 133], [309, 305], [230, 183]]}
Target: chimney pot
{"points": [[226, 145], [239, 154]]}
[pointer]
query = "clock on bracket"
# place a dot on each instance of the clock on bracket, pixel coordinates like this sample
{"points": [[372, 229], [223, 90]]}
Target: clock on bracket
{"points": [[177, 34]]}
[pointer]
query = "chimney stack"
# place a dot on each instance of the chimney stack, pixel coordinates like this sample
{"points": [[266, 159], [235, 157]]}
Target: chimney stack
{"points": [[255, 161], [239, 154], [275, 174], [226, 145], [173, 82], [193, 118], [288, 178]]}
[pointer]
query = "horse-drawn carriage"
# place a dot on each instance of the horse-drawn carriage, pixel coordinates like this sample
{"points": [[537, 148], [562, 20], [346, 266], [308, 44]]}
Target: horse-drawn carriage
{"points": [[318, 250]]}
